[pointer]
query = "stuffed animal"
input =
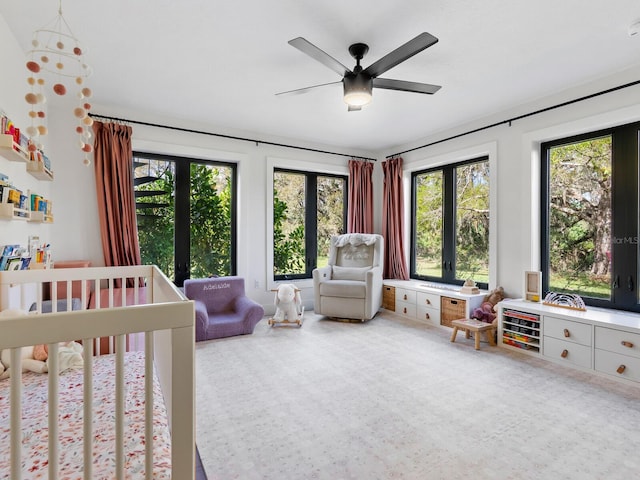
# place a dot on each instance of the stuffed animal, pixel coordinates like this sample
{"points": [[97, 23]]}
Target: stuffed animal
{"points": [[287, 303], [486, 312], [36, 358], [30, 362]]}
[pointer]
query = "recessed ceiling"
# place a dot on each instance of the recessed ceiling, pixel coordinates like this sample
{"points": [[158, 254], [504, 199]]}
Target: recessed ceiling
{"points": [[220, 64]]}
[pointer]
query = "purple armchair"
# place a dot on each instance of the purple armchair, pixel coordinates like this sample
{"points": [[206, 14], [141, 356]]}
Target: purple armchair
{"points": [[222, 308]]}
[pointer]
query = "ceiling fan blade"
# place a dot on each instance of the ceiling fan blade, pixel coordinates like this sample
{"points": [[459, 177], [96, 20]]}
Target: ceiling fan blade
{"points": [[351, 108], [314, 52], [306, 89], [400, 54], [405, 86]]}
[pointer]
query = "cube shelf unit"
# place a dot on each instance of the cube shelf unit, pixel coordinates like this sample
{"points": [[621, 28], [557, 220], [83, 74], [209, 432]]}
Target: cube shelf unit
{"points": [[521, 330]]}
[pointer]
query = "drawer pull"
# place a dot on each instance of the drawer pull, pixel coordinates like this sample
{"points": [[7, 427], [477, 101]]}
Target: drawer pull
{"points": [[624, 343], [621, 369], [426, 316], [405, 296], [566, 333], [564, 353], [404, 310], [427, 301]]}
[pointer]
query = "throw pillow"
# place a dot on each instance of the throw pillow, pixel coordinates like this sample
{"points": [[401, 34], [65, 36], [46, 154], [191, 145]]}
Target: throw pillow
{"points": [[350, 273]]}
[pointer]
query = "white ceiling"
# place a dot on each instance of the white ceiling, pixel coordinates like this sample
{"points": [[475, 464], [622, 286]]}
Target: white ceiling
{"points": [[220, 64]]}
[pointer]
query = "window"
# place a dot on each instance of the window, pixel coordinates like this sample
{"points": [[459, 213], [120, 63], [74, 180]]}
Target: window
{"points": [[308, 208], [186, 215], [450, 229], [590, 217]]}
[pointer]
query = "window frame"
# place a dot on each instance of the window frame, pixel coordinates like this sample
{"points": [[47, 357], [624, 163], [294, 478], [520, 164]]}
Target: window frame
{"points": [[448, 170], [625, 197], [310, 218], [182, 211], [310, 164]]}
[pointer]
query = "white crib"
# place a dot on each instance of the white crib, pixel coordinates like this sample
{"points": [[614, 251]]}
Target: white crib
{"points": [[152, 315]]}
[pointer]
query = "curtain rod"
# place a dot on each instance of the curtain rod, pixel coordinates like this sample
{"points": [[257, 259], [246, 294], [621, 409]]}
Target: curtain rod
{"points": [[124, 120], [519, 117]]}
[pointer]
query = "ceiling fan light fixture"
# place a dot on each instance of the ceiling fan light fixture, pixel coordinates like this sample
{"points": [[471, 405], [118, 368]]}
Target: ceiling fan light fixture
{"points": [[357, 90]]}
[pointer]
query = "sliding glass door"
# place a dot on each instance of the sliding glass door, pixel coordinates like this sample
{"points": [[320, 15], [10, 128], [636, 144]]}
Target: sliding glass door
{"points": [[186, 215]]}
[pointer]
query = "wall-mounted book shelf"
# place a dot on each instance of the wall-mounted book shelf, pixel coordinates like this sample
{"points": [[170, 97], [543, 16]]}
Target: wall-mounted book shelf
{"points": [[15, 153], [8, 211], [38, 170], [40, 217], [11, 150]]}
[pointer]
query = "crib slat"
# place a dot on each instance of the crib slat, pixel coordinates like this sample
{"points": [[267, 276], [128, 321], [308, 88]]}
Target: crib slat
{"points": [[148, 404], [83, 293], [54, 295], [97, 290], [111, 281], [87, 345], [112, 303], [123, 291], [16, 414], [69, 292], [53, 401], [120, 394]]}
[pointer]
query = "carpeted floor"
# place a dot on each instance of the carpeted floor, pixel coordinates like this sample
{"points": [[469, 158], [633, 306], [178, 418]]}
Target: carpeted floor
{"points": [[394, 399]]}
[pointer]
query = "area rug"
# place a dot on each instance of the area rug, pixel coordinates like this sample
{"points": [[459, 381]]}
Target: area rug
{"points": [[395, 399]]}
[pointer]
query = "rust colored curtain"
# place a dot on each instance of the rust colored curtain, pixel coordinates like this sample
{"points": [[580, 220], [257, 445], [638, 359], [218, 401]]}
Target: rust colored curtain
{"points": [[395, 265], [360, 214], [114, 187]]}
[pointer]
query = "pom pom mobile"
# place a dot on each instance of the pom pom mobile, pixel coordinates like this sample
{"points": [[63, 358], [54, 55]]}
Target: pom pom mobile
{"points": [[57, 51]]}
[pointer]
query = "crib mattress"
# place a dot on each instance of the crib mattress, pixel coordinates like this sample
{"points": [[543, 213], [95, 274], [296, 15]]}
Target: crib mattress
{"points": [[35, 431]]}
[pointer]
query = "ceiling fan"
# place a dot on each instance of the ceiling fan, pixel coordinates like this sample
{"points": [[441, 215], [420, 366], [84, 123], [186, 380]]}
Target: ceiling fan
{"points": [[358, 83]]}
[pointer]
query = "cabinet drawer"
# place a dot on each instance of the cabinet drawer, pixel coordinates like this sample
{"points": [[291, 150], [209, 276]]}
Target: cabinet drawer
{"points": [[428, 315], [618, 341], [567, 330], [430, 300], [404, 308], [562, 350], [404, 295], [618, 365]]}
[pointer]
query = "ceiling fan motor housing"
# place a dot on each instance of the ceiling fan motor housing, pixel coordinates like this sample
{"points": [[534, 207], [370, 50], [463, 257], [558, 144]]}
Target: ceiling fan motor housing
{"points": [[357, 89]]}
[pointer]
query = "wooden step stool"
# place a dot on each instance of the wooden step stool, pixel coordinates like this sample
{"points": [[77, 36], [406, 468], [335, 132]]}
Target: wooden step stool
{"points": [[475, 326]]}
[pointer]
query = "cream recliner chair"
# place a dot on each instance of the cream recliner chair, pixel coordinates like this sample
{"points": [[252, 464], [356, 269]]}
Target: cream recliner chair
{"points": [[351, 285]]}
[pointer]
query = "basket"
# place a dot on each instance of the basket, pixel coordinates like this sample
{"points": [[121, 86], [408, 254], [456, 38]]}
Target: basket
{"points": [[451, 309]]}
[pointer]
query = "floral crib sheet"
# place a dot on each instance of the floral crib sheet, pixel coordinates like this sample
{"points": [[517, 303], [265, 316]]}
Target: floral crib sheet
{"points": [[35, 427]]}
